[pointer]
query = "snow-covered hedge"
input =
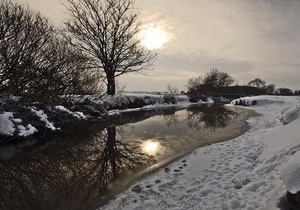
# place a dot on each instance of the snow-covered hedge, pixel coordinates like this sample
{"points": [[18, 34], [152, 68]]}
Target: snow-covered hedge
{"points": [[131, 101], [37, 117]]}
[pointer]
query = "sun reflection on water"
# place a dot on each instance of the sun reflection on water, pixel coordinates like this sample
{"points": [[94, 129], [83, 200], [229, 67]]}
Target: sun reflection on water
{"points": [[150, 147]]}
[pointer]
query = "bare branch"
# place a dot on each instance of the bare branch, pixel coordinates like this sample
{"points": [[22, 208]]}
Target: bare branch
{"points": [[106, 31]]}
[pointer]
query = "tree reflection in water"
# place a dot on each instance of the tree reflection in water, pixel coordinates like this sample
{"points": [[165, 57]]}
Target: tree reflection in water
{"points": [[66, 179], [67, 174], [170, 116], [209, 117]]}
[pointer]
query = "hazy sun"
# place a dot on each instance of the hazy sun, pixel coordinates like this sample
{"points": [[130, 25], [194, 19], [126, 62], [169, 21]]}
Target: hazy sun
{"points": [[153, 37]]}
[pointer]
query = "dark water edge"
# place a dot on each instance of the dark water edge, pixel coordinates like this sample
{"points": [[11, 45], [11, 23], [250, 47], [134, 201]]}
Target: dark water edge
{"points": [[91, 163]]}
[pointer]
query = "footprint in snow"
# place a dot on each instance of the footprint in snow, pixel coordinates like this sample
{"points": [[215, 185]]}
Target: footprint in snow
{"points": [[157, 181], [149, 186], [137, 189]]}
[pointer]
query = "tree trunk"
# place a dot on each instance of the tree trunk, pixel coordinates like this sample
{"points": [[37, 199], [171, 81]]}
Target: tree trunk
{"points": [[112, 149], [111, 86]]}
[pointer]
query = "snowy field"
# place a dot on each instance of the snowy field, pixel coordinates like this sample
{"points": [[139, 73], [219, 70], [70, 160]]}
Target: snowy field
{"points": [[252, 171]]}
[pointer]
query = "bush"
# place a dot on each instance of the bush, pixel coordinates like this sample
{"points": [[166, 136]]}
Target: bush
{"points": [[169, 99], [170, 96]]}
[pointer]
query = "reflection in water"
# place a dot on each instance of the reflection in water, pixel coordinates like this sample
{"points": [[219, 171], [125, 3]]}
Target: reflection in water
{"points": [[65, 175], [170, 116], [209, 117], [178, 132], [150, 147], [66, 180], [118, 156]]}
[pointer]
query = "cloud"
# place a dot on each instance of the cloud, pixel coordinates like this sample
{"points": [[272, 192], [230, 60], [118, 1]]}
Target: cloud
{"points": [[247, 39], [53, 10], [176, 69]]}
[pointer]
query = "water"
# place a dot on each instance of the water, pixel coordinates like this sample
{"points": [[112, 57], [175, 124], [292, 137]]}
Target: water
{"points": [[84, 167]]}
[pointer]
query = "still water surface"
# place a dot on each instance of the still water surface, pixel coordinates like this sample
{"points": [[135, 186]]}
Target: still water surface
{"points": [[88, 165]]}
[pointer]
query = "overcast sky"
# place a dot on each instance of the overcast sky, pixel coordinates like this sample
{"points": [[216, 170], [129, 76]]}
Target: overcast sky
{"points": [[245, 38]]}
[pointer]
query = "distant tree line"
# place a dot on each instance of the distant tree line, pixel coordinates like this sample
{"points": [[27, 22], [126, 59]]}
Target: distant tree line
{"points": [[220, 84], [41, 62]]}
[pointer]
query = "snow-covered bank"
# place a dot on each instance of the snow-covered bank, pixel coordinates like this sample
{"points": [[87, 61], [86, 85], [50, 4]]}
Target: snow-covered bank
{"points": [[26, 119], [243, 173]]}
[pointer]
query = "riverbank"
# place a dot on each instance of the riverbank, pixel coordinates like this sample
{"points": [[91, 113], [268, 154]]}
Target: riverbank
{"points": [[186, 129], [242, 173], [20, 120], [98, 152]]}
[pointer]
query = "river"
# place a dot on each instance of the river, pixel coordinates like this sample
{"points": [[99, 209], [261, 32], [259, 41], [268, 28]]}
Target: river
{"points": [[85, 167]]}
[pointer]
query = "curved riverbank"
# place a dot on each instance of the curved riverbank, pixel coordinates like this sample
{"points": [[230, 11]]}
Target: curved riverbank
{"points": [[237, 126], [242, 173], [95, 151]]}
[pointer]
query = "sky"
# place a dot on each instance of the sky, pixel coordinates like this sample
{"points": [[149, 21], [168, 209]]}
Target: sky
{"points": [[247, 39]]}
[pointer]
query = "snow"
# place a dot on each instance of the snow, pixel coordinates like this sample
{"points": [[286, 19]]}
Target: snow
{"points": [[290, 173], [6, 124], [17, 121], [120, 101], [10, 126], [43, 117], [290, 114], [78, 115], [26, 131], [183, 101], [252, 171]]}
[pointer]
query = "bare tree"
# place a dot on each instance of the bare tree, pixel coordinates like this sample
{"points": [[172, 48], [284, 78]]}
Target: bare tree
{"points": [[22, 34], [217, 79], [106, 31], [36, 61], [195, 88], [258, 83], [170, 97], [68, 69]]}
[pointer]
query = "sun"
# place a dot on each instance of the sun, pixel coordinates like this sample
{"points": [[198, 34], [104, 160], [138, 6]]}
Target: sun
{"points": [[152, 37]]}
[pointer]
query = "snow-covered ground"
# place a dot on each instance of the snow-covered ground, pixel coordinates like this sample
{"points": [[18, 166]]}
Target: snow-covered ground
{"points": [[252, 171]]}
